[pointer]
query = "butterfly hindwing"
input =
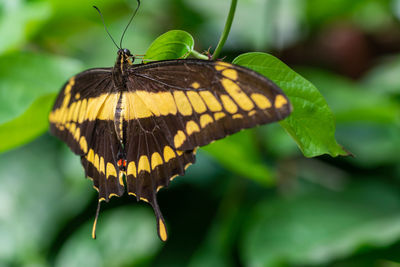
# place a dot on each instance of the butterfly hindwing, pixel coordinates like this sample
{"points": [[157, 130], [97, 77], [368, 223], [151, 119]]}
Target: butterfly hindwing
{"points": [[100, 163], [196, 102], [152, 162]]}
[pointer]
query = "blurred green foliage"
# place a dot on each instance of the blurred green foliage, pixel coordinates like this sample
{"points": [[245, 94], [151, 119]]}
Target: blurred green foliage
{"points": [[251, 199]]}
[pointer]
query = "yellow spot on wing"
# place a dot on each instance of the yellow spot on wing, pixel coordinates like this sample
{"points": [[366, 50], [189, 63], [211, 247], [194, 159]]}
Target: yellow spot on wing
{"points": [[179, 139], [230, 73], [66, 100], [187, 165], [136, 108], [63, 116], [131, 170], [96, 161], [261, 101], [237, 94], [192, 127], [165, 103], [71, 111], [77, 133], [110, 169], [143, 164], [205, 120], [156, 160], [102, 166], [221, 65], [196, 101], [148, 100], [229, 105], [182, 103], [76, 111], [71, 127], [280, 100], [77, 96], [93, 108], [211, 101], [83, 144], [219, 115], [107, 110], [144, 199], [162, 230], [237, 116], [82, 111], [196, 85], [90, 156], [168, 153], [251, 113], [68, 88]]}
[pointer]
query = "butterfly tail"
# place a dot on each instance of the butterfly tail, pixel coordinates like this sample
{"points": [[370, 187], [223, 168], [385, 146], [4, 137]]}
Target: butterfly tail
{"points": [[161, 228]]}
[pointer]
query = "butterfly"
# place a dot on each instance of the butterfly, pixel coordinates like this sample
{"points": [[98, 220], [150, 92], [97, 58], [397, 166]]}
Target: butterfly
{"points": [[137, 126]]}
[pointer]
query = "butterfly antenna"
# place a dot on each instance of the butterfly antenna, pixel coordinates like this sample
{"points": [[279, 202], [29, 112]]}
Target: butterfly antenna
{"points": [[105, 27], [129, 23]]}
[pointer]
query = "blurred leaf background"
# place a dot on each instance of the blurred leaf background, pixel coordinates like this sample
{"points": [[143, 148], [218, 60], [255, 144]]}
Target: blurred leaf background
{"points": [[252, 199]]}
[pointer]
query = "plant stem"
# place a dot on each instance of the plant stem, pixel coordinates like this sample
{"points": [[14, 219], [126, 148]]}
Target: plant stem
{"points": [[227, 28], [198, 55]]}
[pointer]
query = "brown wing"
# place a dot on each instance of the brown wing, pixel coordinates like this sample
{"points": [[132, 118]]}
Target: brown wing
{"points": [[168, 109], [82, 117], [195, 102]]}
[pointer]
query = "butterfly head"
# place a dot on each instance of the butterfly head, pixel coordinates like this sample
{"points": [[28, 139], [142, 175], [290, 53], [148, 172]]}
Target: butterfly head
{"points": [[126, 56]]}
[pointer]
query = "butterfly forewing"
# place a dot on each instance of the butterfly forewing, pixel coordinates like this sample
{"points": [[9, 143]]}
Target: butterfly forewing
{"points": [[194, 102]]}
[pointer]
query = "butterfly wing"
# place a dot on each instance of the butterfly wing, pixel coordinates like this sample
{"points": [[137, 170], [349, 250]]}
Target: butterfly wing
{"points": [[166, 111], [82, 117], [195, 102]]}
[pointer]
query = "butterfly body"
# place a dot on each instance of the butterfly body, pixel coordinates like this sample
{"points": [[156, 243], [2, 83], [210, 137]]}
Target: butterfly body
{"points": [[136, 127]]}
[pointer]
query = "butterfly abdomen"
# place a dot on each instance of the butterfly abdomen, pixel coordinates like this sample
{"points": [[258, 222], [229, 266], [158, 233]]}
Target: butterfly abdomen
{"points": [[119, 117]]}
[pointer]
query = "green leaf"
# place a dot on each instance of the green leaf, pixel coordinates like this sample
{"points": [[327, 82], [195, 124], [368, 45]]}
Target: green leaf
{"points": [[125, 237], [19, 20], [367, 118], [384, 77], [321, 226], [351, 102], [170, 45], [24, 77], [32, 123], [38, 199], [28, 83], [240, 154], [311, 123]]}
